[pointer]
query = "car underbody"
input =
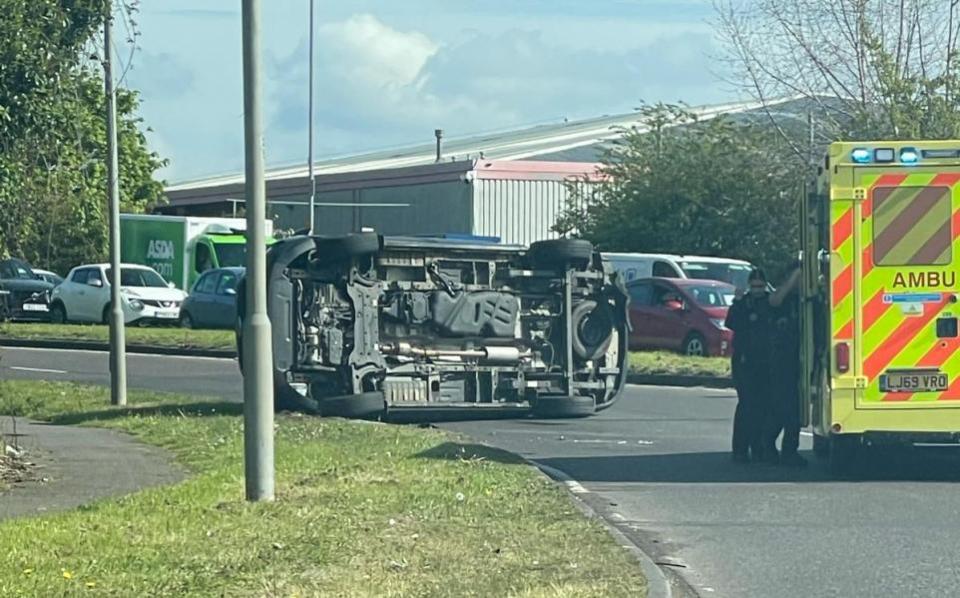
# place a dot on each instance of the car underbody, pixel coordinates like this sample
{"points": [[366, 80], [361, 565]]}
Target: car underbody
{"points": [[365, 323]]}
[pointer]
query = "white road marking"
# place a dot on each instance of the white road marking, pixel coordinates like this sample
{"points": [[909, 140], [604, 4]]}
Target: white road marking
{"points": [[129, 355], [38, 370], [575, 487]]}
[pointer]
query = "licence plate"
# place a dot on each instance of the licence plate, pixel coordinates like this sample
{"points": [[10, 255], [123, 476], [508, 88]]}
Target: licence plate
{"points": [[171, 315], [35, 307], [932, 381]]}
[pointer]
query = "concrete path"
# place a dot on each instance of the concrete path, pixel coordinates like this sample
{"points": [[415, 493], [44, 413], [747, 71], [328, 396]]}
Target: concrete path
{"points": [[79, 465]]}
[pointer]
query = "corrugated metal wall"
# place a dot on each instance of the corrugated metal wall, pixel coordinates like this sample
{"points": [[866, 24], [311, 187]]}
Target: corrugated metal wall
{"points": [[519, 211]]}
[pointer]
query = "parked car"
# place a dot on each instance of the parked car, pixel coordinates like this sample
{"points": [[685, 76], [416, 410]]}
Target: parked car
{"points": [[84, 296], [634, 266], [364, 324], [23, 295], [51, 277], [212, 302], [685, 315]]}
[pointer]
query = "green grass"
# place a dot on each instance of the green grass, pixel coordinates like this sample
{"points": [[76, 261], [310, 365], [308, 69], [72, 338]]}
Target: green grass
{"points": [[675, 364], [362, 510], [162, 337]]}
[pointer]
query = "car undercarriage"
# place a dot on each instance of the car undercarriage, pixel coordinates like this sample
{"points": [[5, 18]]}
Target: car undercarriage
{"points": [[364, 323]]}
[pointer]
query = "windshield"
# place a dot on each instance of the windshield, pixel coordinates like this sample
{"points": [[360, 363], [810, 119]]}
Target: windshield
{"points": [[712, 295], [139, 277], [735, 274], [231, 255], [16, 270]]}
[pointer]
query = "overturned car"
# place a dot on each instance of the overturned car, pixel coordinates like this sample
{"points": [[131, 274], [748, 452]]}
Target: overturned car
{"points": [[366, 324]]}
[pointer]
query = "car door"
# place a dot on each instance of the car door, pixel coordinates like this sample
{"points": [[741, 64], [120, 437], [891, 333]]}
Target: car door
{"points": [[641, 315], [670, 324], [74, 293], [226, 299], [95, 296], [203, 299]]}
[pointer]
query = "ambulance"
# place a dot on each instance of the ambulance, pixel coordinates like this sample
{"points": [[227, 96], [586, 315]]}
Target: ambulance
{"points": [[880, 255]]}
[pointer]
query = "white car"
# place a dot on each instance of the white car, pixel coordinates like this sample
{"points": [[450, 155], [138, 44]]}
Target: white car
{"points": [[84, 296]]}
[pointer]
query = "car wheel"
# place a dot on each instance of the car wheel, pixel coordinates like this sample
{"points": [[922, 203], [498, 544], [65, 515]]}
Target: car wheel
{"points": [[559, 252], [548, 407], [592, 324], [350, 246], [105, 318], [695, 345], [58, 313], [365, 404], [186, 321]]}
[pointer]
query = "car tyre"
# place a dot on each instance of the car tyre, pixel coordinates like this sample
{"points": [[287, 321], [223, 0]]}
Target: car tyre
{"points": [[564, 407], [366, 404], [350, 246], [58, 313], [592, 324], [105, 317], [186, 321], [559, 252], [695, 345]]}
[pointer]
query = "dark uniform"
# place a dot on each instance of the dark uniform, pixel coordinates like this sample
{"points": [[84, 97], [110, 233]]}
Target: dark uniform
{"points": [[785, 412], [750, 319]]}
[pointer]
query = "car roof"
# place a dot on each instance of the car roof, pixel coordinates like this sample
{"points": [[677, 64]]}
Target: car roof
{"points": [[678, 258], [683, 282]]}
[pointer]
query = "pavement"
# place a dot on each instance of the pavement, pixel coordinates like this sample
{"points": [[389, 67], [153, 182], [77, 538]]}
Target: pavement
{"points": [[75, 466], [656, 466]]}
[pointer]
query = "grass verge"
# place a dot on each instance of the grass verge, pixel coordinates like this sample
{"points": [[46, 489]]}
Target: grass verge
{"points": [[362, 510], [674, 364], [180, 338]]}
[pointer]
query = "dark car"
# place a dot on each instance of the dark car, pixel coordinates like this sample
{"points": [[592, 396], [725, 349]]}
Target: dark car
{"points": [[366, 324], [682, 315], [23, 295], [51, 277], [212, 302]]}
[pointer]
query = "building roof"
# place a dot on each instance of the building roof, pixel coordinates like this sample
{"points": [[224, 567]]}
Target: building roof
{"points": [[567, 141]]}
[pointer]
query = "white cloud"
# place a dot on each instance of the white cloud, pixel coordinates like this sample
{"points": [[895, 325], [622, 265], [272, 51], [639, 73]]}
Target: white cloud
{"points": [[368, 53]]}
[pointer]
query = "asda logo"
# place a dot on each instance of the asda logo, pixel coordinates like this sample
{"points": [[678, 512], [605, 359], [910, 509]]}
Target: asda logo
{"points": [[159, 249]]}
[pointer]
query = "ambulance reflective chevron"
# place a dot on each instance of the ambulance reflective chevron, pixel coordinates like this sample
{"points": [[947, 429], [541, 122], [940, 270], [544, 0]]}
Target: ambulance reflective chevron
{"points": [[881, 254]]}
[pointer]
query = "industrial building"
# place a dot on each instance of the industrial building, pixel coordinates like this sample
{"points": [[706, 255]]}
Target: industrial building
{"points": [[512, 185]]}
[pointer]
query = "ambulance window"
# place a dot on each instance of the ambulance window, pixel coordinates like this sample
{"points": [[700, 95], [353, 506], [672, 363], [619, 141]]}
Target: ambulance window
{"points": [[912, 226]]}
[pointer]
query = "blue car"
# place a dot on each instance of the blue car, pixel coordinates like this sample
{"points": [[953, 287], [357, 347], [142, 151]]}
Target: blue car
{"points": [[213, 300]]}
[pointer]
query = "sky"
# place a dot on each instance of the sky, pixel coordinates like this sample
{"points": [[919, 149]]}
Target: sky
{"points": [[389, 72]]}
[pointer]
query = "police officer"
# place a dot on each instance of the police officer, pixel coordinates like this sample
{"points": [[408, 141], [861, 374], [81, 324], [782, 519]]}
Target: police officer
{"points": [[750, 319], [785, 412]]}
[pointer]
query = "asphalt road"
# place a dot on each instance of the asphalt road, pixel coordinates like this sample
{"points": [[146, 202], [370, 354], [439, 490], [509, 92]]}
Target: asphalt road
{"points": [[656, 465]]}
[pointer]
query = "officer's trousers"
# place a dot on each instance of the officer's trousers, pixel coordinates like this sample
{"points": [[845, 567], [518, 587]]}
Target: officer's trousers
{"points": [[753, 390]]}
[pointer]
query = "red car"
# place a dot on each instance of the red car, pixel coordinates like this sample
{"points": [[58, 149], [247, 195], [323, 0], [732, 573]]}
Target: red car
{"points": [[684, 315]]}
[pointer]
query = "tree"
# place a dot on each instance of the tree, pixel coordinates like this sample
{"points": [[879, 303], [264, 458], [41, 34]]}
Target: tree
{"points": [[874, 69], [675, 185], [53, 135]]}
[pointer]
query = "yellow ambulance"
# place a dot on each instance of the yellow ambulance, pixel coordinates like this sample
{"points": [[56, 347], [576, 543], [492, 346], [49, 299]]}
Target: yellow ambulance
{"points": [[881, 349]]}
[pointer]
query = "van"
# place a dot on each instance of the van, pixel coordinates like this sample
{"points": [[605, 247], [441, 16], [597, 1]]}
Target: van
{"points": [[661, 265]]}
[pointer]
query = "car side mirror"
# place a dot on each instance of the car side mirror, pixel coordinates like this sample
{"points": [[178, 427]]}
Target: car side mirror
{"points": [[170, 285], [95, 283]]}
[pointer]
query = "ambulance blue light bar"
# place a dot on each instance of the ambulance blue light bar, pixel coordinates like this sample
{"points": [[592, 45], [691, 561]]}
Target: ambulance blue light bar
{"points": [[909, 155], [861, 155]]}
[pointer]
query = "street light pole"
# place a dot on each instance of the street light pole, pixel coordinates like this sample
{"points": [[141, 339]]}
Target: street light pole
{"points": [[257, 352], [118, 357], [313, 181]]}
